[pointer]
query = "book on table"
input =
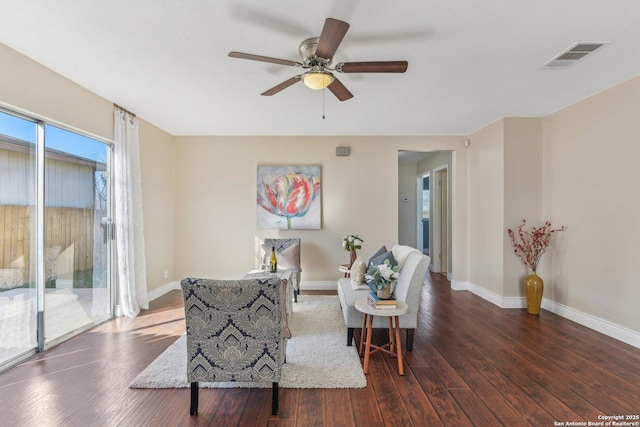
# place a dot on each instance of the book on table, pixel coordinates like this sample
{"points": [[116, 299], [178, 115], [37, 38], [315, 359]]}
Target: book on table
{"points": [[377, 302]]}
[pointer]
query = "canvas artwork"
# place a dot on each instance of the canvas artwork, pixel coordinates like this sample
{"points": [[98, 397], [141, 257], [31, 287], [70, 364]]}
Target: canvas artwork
{"points": [[288, 197]]}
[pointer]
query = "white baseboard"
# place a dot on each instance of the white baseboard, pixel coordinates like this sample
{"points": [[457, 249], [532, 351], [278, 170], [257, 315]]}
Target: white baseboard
{"points": [[486, 294], [514, 302], [163, 289], [458, 285], [605, 327], [326, 285], [490, 296]]}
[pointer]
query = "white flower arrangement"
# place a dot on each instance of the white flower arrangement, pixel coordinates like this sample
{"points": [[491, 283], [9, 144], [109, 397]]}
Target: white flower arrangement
{"points": [[352, 243], [382, 275]]}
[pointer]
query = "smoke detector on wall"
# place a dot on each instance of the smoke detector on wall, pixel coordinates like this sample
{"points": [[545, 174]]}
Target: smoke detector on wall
{"points": [[574, 54]]}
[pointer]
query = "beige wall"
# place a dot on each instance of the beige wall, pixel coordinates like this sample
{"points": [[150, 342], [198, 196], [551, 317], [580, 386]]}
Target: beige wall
{"points": [[436, 161], [28, 87], [590, 184], [522, 192], [215, 219], [505, 172], [576, 168], [158, 183], [486, 207]]}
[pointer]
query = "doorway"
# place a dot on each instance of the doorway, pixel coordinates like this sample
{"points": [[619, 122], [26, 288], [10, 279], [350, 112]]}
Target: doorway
{"points": [[438, 166], [424, 213]]}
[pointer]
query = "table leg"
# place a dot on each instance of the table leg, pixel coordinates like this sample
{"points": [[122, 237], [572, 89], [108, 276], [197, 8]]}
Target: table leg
{"points": [[367, 350], [363, 334], [391, 334], [399, 345]]}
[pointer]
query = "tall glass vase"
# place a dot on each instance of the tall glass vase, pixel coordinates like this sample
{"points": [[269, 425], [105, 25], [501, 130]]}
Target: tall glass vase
{"points": [[533, 286], [353, 256]]}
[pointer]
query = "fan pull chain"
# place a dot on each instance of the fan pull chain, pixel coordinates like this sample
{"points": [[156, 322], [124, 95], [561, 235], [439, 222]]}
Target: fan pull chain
{"points": [[324, 89]]}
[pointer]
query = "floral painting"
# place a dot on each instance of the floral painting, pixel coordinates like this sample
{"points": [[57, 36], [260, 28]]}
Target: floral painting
{"points": [[288, 197]]}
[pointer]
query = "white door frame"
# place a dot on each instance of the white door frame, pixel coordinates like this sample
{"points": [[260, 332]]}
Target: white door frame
{"points": [[436, 220]]}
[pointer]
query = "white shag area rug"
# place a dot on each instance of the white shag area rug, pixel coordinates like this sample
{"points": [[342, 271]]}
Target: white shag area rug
{"points": [[317, 354]]}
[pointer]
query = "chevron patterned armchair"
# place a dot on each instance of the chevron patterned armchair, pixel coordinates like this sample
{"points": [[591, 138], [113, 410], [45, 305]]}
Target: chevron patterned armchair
{"points": [[234, 332]]}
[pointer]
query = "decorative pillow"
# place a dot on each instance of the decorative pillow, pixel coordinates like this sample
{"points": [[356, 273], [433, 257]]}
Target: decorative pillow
{"points": [[402, 252], [288, 258], [379, 252], [358, 270], [379, 259]]}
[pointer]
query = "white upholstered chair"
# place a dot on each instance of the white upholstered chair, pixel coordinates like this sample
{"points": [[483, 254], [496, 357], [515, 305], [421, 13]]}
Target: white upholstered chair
{"points": [[288, 254]]}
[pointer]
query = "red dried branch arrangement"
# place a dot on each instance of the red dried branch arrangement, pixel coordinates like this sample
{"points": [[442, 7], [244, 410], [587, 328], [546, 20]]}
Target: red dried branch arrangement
{"points": [[530, 245]]}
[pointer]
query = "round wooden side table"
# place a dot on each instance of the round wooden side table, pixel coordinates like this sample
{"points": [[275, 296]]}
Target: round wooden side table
{"points": [[394, 346]]}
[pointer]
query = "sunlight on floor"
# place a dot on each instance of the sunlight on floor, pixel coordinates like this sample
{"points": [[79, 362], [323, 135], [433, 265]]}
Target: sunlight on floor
{"points": [[66, 310]]}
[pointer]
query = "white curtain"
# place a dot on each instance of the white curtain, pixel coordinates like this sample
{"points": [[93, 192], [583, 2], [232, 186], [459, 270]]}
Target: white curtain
{"points": [[132, 273]]}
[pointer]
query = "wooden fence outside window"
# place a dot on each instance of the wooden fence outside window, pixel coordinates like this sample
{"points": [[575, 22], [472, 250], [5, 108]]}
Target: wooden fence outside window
{"points": [[69, 239]]}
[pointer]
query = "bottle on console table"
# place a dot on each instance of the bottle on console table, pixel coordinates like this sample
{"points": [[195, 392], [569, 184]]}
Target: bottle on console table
{"points": [[273, 261]]}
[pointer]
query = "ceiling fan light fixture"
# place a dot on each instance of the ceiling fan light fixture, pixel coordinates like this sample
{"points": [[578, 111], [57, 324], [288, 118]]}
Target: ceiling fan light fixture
{"points": [[317, 80], [317, 55]]}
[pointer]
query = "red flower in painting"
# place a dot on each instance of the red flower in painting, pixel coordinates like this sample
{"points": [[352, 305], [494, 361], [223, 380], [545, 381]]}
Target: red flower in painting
{"points": [[288, 195], [530, 245]]}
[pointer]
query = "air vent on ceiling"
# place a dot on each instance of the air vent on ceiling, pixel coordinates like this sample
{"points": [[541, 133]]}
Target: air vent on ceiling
{"points": [[574, 54]]}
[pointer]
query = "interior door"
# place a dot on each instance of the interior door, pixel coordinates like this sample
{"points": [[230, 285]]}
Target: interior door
{"points": [[444, 221]]}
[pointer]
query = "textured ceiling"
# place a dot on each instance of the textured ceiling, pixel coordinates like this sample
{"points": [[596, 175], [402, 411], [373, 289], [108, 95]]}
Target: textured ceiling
{"points": [[470, 62]]}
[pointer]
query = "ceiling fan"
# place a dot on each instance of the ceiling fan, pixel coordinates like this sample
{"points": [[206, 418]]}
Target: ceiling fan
{"points": [[317, 55]]}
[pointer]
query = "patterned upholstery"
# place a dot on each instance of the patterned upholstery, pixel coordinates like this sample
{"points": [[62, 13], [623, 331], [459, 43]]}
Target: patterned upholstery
{"points": [[234, 332], [280, 245]]}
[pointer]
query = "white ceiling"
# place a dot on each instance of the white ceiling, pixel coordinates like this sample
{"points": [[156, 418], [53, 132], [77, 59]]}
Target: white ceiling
{"points": [[470, 62]]}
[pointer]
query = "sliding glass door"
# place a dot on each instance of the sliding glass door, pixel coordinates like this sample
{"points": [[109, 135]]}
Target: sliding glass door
{"points": [[76, 249], [55, 247], [18, 304]]}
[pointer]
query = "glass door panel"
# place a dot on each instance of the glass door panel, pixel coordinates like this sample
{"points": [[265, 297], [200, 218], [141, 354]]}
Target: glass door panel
{"points": [[17, 237], [76, 258], [426, 206]]}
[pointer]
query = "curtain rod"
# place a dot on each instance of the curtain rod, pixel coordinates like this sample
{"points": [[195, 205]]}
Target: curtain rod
{"points": [[123, 109]]}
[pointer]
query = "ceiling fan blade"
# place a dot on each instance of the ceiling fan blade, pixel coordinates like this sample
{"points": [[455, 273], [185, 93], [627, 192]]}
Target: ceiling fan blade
{"points": [[373, 67], [332, 34], [285, 84], [339, 90], [264, 59]]}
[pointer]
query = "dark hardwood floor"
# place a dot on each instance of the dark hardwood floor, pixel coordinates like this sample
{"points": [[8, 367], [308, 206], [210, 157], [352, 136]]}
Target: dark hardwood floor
{"points": [[472, 364]]}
